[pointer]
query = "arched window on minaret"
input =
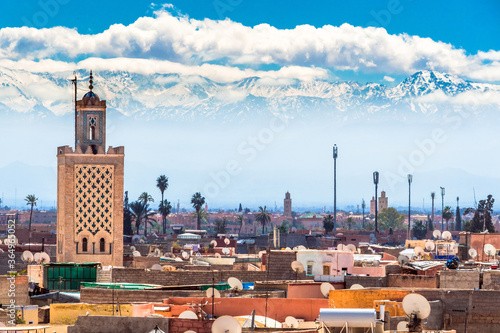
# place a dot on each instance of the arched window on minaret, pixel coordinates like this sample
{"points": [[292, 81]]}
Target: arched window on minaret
{"points": [[102, 245], [92, 133], [85, 244]]}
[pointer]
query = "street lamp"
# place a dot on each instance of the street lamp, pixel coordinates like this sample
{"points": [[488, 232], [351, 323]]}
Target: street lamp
{"points": [[375, 181], [442, 208], [335, 154], [410, 179]]}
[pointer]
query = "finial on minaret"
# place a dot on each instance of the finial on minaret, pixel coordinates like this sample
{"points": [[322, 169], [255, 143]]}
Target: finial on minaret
{"points": [[91, 81]]}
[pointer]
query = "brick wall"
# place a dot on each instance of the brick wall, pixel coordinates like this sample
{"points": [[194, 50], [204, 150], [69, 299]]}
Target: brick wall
{"points": [[491, 280], [20, 287], [365, 281], [459, 279], [177, 325], [279, 265], [110, 324], [412, 281]]}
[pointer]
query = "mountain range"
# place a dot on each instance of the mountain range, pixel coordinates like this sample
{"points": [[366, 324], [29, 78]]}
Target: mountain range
{"points": [[173, 96]]}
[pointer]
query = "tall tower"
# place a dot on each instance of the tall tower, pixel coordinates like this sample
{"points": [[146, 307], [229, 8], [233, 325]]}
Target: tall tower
{"points": [[383, 201], [287, 204], [90, 190]]}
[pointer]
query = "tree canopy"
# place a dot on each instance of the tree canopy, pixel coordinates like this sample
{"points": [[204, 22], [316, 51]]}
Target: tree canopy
{"points": [[328, 223], [389, 218]]}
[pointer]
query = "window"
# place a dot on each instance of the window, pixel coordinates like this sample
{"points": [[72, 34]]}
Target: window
{"points": [[326, 269], [309, 268], [102, 245], [85, 245], [92, 132]]}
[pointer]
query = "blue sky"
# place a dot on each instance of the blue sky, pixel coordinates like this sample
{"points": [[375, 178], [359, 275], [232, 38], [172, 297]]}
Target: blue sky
{"points": [[279, 41]]}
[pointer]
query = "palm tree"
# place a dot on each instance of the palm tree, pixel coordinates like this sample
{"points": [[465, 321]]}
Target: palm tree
{"points": [[31, 200], [328, 223], [197, 200], [145, 198], [447, 215], [433, 195], [162, 184], [164, 208], [263, 216], [240, 219], [141, 214]]}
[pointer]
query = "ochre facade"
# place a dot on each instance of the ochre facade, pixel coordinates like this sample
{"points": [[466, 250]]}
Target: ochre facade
{"points": [[90, 191]]}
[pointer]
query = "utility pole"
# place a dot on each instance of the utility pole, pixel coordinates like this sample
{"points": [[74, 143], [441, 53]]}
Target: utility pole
{"points": [[335, 154], [442, 208], [375, 181], [410, 179]]}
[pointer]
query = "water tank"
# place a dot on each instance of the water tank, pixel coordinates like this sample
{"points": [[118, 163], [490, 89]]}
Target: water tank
{"points": [[353, 317]]}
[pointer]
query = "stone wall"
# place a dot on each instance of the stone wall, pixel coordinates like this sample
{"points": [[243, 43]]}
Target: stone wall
{"points": [[19, 290], [491, 280], [459, 279], [412, 281], [110, 324], [365, 281], [279, 265]]}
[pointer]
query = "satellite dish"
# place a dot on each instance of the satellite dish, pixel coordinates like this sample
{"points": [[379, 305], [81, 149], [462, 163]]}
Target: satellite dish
{"points": [[226, 251], [473, 253], [357, 286], [416, 304], [436, 234], [213, 242], [419, 251], [190, 332], [446, 235], [36, 257], [288, 249], [490, 250], [156, 267], [212, 292], [157, 252], [185, 255], [178, 259], [402, 326], [235, 284], [291, 322], [44, 258], [430, 246], [227, 241], [403, 260], [301, 247], [0, 241], [217, 255], [351, 248], [297, 266], [226, 324], [325, 288], [294, 229], [27, 256], [136, 253], [132, 248], [188, 315], [261, 253], [136, 238]]}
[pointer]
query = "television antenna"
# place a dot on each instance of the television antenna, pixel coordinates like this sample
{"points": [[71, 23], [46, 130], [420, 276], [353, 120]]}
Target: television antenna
{"points": [[356, 286], [417, 308], [436, 234], [156, 267], [226, 324], [27, 256], [235, 284], [446, 235], [291, 322], [188, 315], [473, 253], [325, 288], [430, 246], [297, 268], [212, 292]]}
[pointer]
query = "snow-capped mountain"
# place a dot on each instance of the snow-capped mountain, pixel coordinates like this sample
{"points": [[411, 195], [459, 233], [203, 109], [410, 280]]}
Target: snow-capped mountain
{"points": [[189, 97]]}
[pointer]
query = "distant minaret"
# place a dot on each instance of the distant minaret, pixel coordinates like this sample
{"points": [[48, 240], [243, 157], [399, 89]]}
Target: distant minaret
{"points": [[287, 204], [178, 206], [206, 207]]}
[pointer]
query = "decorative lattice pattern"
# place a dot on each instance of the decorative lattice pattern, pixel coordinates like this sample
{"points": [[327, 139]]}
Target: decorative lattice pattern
{"points": [[94, 198]]}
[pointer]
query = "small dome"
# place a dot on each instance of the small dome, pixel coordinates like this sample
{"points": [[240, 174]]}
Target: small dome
{"points": [[90, 98]]}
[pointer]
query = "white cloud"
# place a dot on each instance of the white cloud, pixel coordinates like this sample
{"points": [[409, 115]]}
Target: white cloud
{"points": [[388, 78], [190, 42]]}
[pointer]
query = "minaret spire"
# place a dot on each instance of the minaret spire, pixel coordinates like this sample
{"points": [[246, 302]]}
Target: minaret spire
{"points": [[91, 81]]}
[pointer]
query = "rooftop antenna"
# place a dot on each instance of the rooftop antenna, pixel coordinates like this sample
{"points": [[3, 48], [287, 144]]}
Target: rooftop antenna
{"points": [[75, 82], [417, 308], [475, 201]]}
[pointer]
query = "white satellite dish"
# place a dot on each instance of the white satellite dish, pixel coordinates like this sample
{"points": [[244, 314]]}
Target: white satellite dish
{"points": [[36, 257], [261, 253], [136, 253], [473, 253], [436, 234], [446, 235], [44, 258], [188, 315], [403, 260], [226, 251], [419, 251], [213, 242], [402, 326], [342, 247], [132, 248], [157, 252], [235, 284], [156, 267], [325, 288], [301, 247], [287, 249], [357, 286], [178, 259], [297, 266], [27, 256], [212, 292], [227, 241], [190, 332], [291, 322], [417, 305], [185, 255], [351, 248], [490, 250], [226, 324], [136, 238], [217, 255], [430, 246]]}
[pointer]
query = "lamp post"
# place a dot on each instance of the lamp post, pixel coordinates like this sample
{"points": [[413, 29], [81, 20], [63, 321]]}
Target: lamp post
{"points": [[363, 205], [335, 154], [375, 181], [442, 208], [410, 179]]}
